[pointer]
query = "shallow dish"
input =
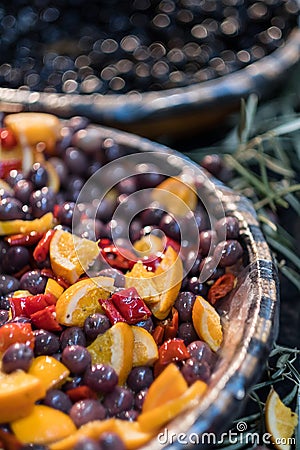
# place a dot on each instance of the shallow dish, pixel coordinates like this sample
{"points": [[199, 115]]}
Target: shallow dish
{"points": [[249, 314], [251, 324]]}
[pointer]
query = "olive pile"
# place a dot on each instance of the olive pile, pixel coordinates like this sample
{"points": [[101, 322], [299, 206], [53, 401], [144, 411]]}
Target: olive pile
{"points": [[139, 45]]}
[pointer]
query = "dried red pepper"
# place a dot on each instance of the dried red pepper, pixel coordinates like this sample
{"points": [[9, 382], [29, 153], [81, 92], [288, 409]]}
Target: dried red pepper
{"points": [[24, 239], [18, 306], [42, 249], [46, 319], [221, 287], [119, 258], [111, 311], [172, 350], [26, 306], [13, 332], [166, 329], [130, 305]]}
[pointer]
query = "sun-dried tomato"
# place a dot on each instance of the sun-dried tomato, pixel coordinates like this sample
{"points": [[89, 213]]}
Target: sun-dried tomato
{"points": [[221, 287]]}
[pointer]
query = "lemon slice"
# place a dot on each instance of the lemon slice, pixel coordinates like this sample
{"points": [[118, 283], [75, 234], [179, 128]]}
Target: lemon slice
{"points": [[82, 299], [115, 348], [71, 255], [207, 323], [280, 421]]}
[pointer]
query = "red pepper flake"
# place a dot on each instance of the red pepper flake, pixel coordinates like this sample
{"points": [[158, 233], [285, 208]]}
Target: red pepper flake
{"points": [[173, 350], [221, 287], [130, 305], [81, 393], [166, 329], [111, 311], [46, 319], [24, 239], [42, 249]]}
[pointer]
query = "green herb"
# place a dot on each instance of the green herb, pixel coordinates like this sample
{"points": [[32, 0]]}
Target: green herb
{"points": [[265, 164]]}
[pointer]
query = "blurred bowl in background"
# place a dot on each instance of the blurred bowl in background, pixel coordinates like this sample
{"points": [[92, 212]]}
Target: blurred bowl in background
{"points": [[174, 112]]}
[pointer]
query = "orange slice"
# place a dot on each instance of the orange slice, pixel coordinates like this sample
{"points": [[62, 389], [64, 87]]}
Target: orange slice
{"points": [[16, 226], [18, 393], [145, 351], [176, 196], [71, 255], [115, 348], [281, 421], [31, 128], [168, 278], [169, 385], [43, 425], [152, 420], [53, 288], [207, 323], [143, 280], [51, 372], [130, 432], [82, 299], [158, 289]]}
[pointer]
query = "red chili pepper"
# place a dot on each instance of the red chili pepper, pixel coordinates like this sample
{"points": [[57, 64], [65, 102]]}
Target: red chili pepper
{"points": [[130, 305], [221, 287], [173, 350], [10, 333], [46, 319], [7, 138], [171, 327], [42, 249], [62, 282], [24, 239], [7, 165], [18, 306], [81, 393], [158, 334], [111, 311], [166, 329], [119, 258], [38, 302]]}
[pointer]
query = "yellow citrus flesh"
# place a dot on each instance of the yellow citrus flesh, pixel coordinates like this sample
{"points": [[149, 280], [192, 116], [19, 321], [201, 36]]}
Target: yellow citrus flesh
{"points": [[130, 432], [148, 245], [169, 385], [280, 421], [115, 348], [207, 323], [26, 226], [51, 372], [18, 393], [43, 425], [158, 289], [82, 299], [168, 279], [71, 255], [31, 128], [145, 351], [143, 280], [52, 287], [53, 181], [176, 196], [152, 420]]}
